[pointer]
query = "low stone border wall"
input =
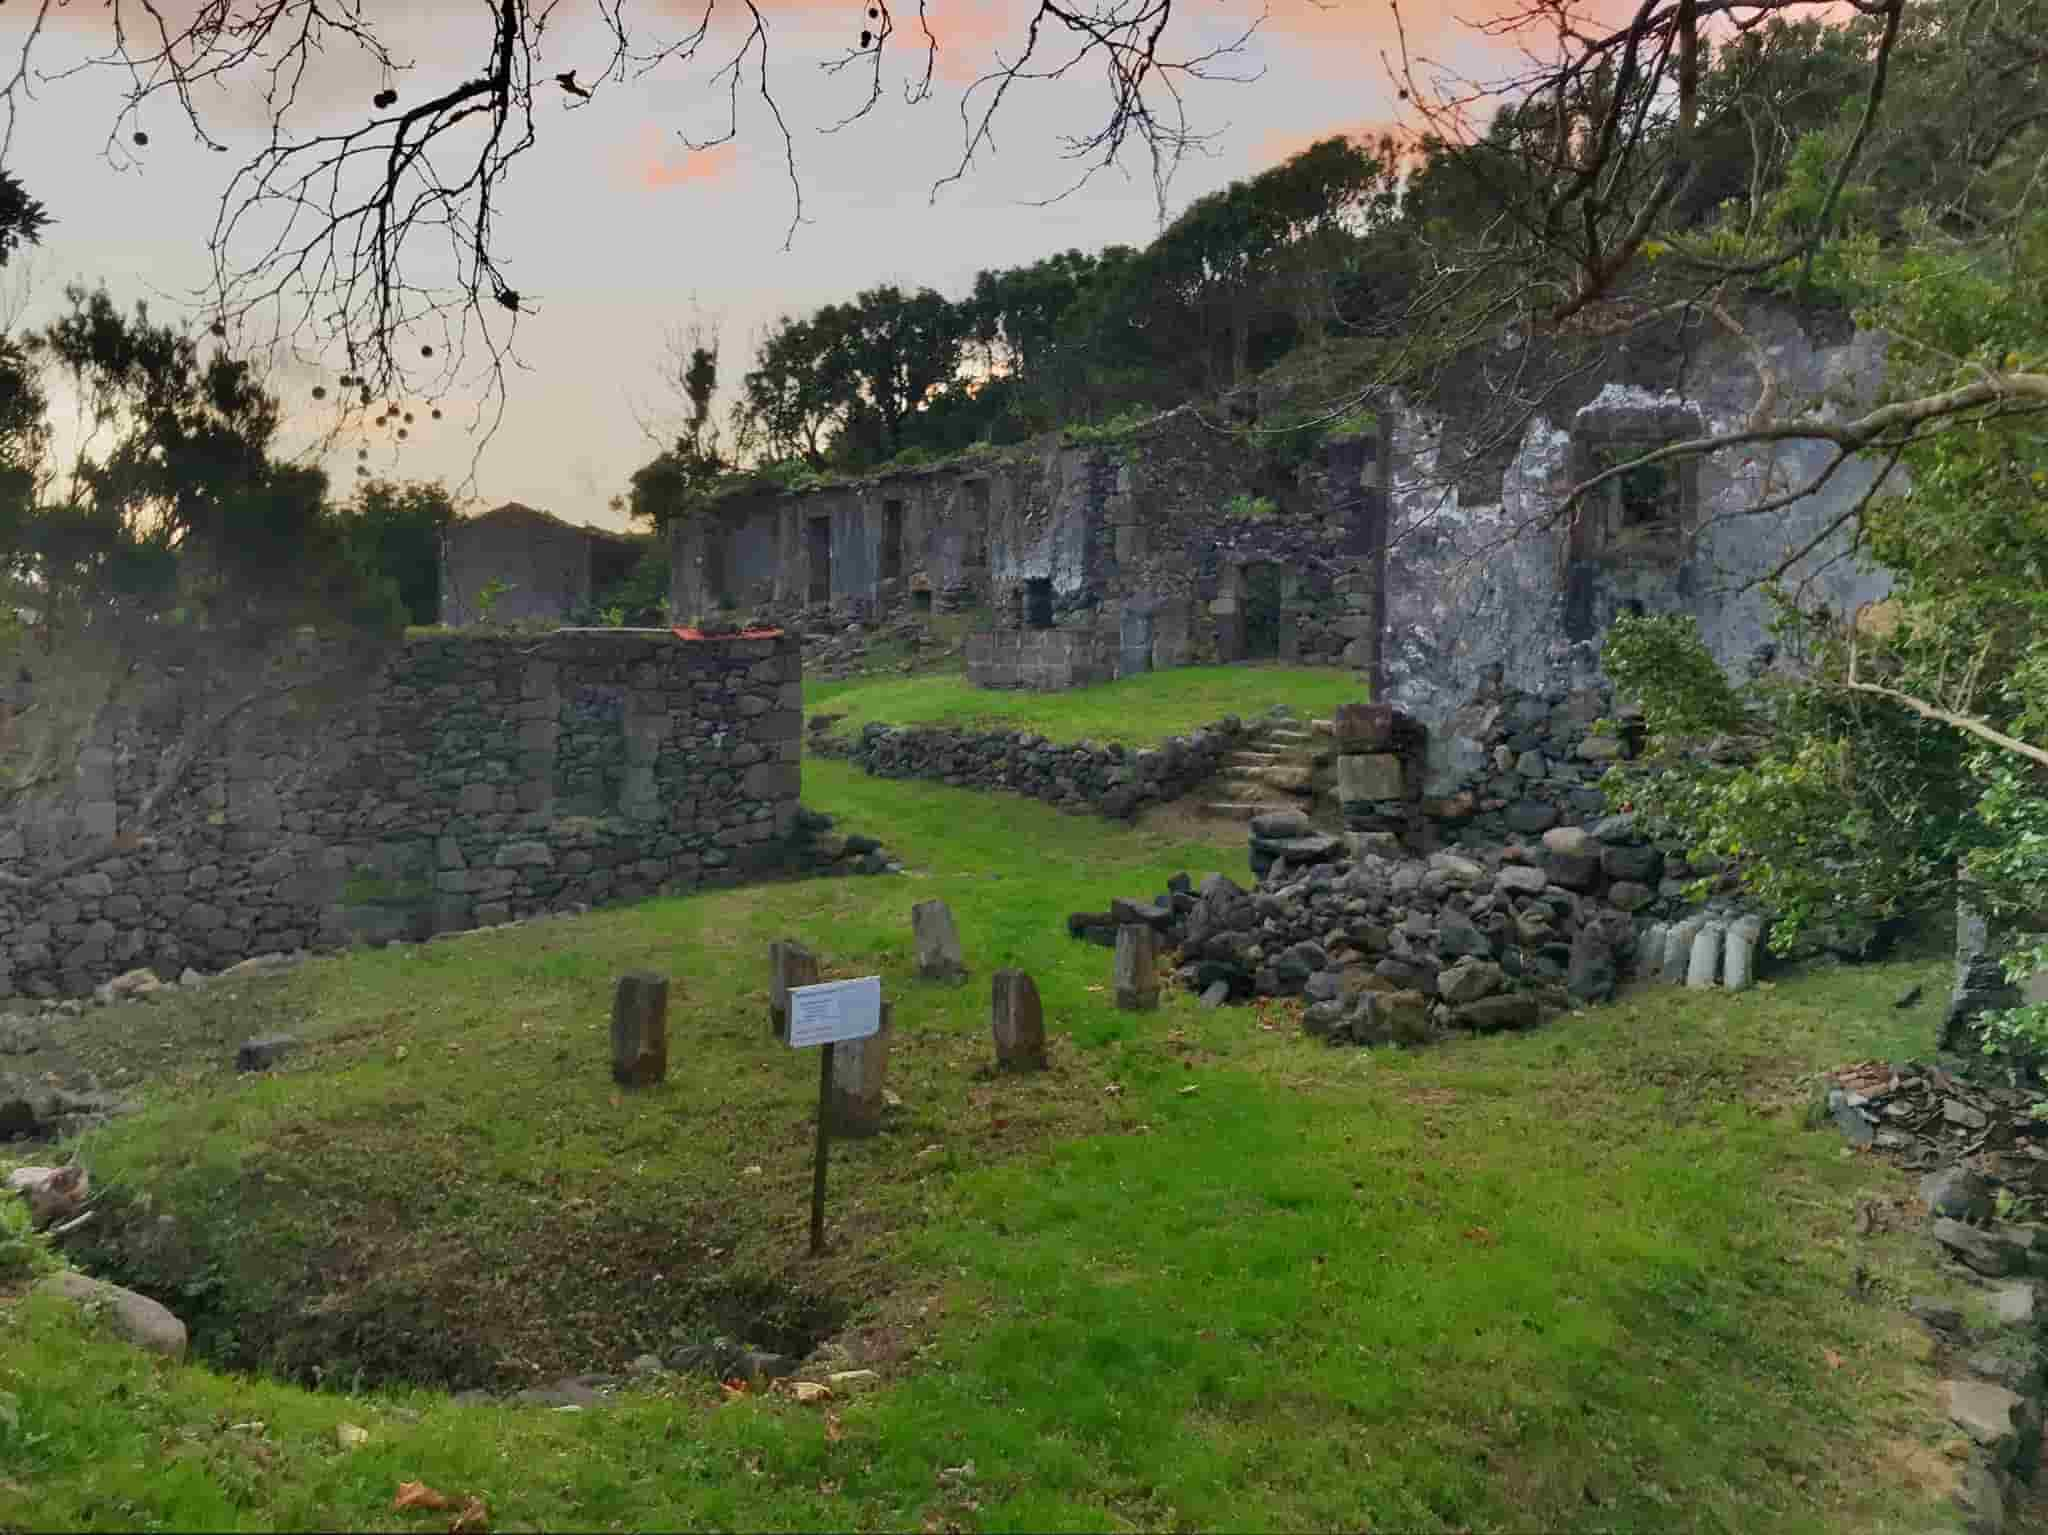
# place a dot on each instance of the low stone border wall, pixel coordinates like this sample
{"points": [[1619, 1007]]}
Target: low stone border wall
{"points": [[1113, 781]]}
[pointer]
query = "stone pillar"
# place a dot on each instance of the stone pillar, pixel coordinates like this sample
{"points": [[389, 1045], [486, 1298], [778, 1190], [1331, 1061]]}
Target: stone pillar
{"points": [[939, 956], [1137, 968], [1705, 962], [640, 1029], [1650, 950], [1980, 984], [1678, 949], [1018, 1022], [860, 1070], [789, 964], [1738, 960]]}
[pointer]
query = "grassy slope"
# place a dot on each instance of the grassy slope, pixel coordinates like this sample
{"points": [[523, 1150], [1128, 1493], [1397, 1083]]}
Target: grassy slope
{"points": [[1590, 1278], [1140, 710]]}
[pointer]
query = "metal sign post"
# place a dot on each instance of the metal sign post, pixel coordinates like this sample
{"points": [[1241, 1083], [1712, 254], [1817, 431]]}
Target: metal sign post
{"points": [[824, 1142], [824, 1015]]}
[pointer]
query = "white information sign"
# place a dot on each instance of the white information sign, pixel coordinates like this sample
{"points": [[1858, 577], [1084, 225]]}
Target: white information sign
{"points": [[835, 1010]]}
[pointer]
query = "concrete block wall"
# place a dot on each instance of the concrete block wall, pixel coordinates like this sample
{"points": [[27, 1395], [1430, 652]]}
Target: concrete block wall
{"points": [[472, 780]]}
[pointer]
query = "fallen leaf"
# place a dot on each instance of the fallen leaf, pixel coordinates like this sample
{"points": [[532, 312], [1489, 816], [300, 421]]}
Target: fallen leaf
{"points": [[420, 1495], [473, 1520], [350, 1436], [1114, 1089], [1480, 1235], [734, 1387], [751, 1170], [833, 1432], [1098, 988], [1834, 1359], [1188, 1089]]}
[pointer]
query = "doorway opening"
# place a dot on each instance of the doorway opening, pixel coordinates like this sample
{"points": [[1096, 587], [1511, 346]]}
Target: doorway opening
{"points": [[818, 539], [1261, 611]]}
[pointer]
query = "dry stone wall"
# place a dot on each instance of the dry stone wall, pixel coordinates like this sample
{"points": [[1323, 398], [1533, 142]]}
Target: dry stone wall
{"points": [[470, 780], [1115, 781]]}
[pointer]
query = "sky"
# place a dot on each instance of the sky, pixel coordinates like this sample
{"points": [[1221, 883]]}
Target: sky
{"points": [[617, 234]]}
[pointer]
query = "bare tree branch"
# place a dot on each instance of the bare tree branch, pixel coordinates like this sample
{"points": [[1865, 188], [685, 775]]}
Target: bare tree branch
{"points": [[377, 243], [1963, 722]]}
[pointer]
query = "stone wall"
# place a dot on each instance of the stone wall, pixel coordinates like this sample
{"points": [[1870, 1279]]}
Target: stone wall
{"points": [[1114, 781], [1040, 659], [466, 781]]}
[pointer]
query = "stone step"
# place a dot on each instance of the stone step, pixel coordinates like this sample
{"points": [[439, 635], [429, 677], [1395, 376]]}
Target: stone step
{"points": [[1242, 810], [1246, 786]]}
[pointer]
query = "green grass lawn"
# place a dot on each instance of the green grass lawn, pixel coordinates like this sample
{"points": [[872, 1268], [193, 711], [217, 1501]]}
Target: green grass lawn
{"points": [[1204, 1273], [1138, 711]]}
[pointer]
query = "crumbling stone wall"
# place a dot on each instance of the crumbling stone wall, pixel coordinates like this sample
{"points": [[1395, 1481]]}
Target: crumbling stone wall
{"points": [[469, 781], [1115, 781]]}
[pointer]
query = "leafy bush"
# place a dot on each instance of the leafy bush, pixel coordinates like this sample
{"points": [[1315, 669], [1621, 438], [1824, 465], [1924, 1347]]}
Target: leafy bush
{"points": [[1840, 814]]}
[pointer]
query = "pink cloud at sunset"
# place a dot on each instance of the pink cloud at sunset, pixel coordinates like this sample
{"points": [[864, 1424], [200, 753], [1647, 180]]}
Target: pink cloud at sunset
{"points": [[663, 160]]}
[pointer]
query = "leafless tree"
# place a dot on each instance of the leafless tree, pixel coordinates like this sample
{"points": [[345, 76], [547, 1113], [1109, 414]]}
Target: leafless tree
{"points": [[332, 240]]}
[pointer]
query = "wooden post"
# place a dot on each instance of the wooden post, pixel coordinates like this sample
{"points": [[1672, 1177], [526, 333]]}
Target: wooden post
{"points": [[789, 964], [824, 1142], [640, 1029]]}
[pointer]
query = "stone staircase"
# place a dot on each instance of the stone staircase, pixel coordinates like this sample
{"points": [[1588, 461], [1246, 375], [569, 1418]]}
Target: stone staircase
{"points": [[1274, 770]]}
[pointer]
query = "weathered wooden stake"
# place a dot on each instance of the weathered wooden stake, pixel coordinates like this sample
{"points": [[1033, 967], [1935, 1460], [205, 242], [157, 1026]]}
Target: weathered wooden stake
{"points": [[789, 964], [640, 1029], [1017, 1021], [1137, 968]]}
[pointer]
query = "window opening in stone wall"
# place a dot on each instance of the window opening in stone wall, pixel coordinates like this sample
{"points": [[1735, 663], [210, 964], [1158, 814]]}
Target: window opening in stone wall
{"points": [[892, 540], [1643, 505], [818, 537], [921, 599], [1261, 611], [1038, 602]]}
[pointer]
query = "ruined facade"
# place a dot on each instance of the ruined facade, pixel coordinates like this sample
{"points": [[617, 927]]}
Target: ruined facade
{"points": [[1407, 549], [1172, 545], [1490, 581], [514, 564]]}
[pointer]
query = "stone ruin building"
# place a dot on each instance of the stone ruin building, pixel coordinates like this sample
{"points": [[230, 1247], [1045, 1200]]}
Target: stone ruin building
{"points": [[1402, 550], [469, 778], [547, 570]]}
